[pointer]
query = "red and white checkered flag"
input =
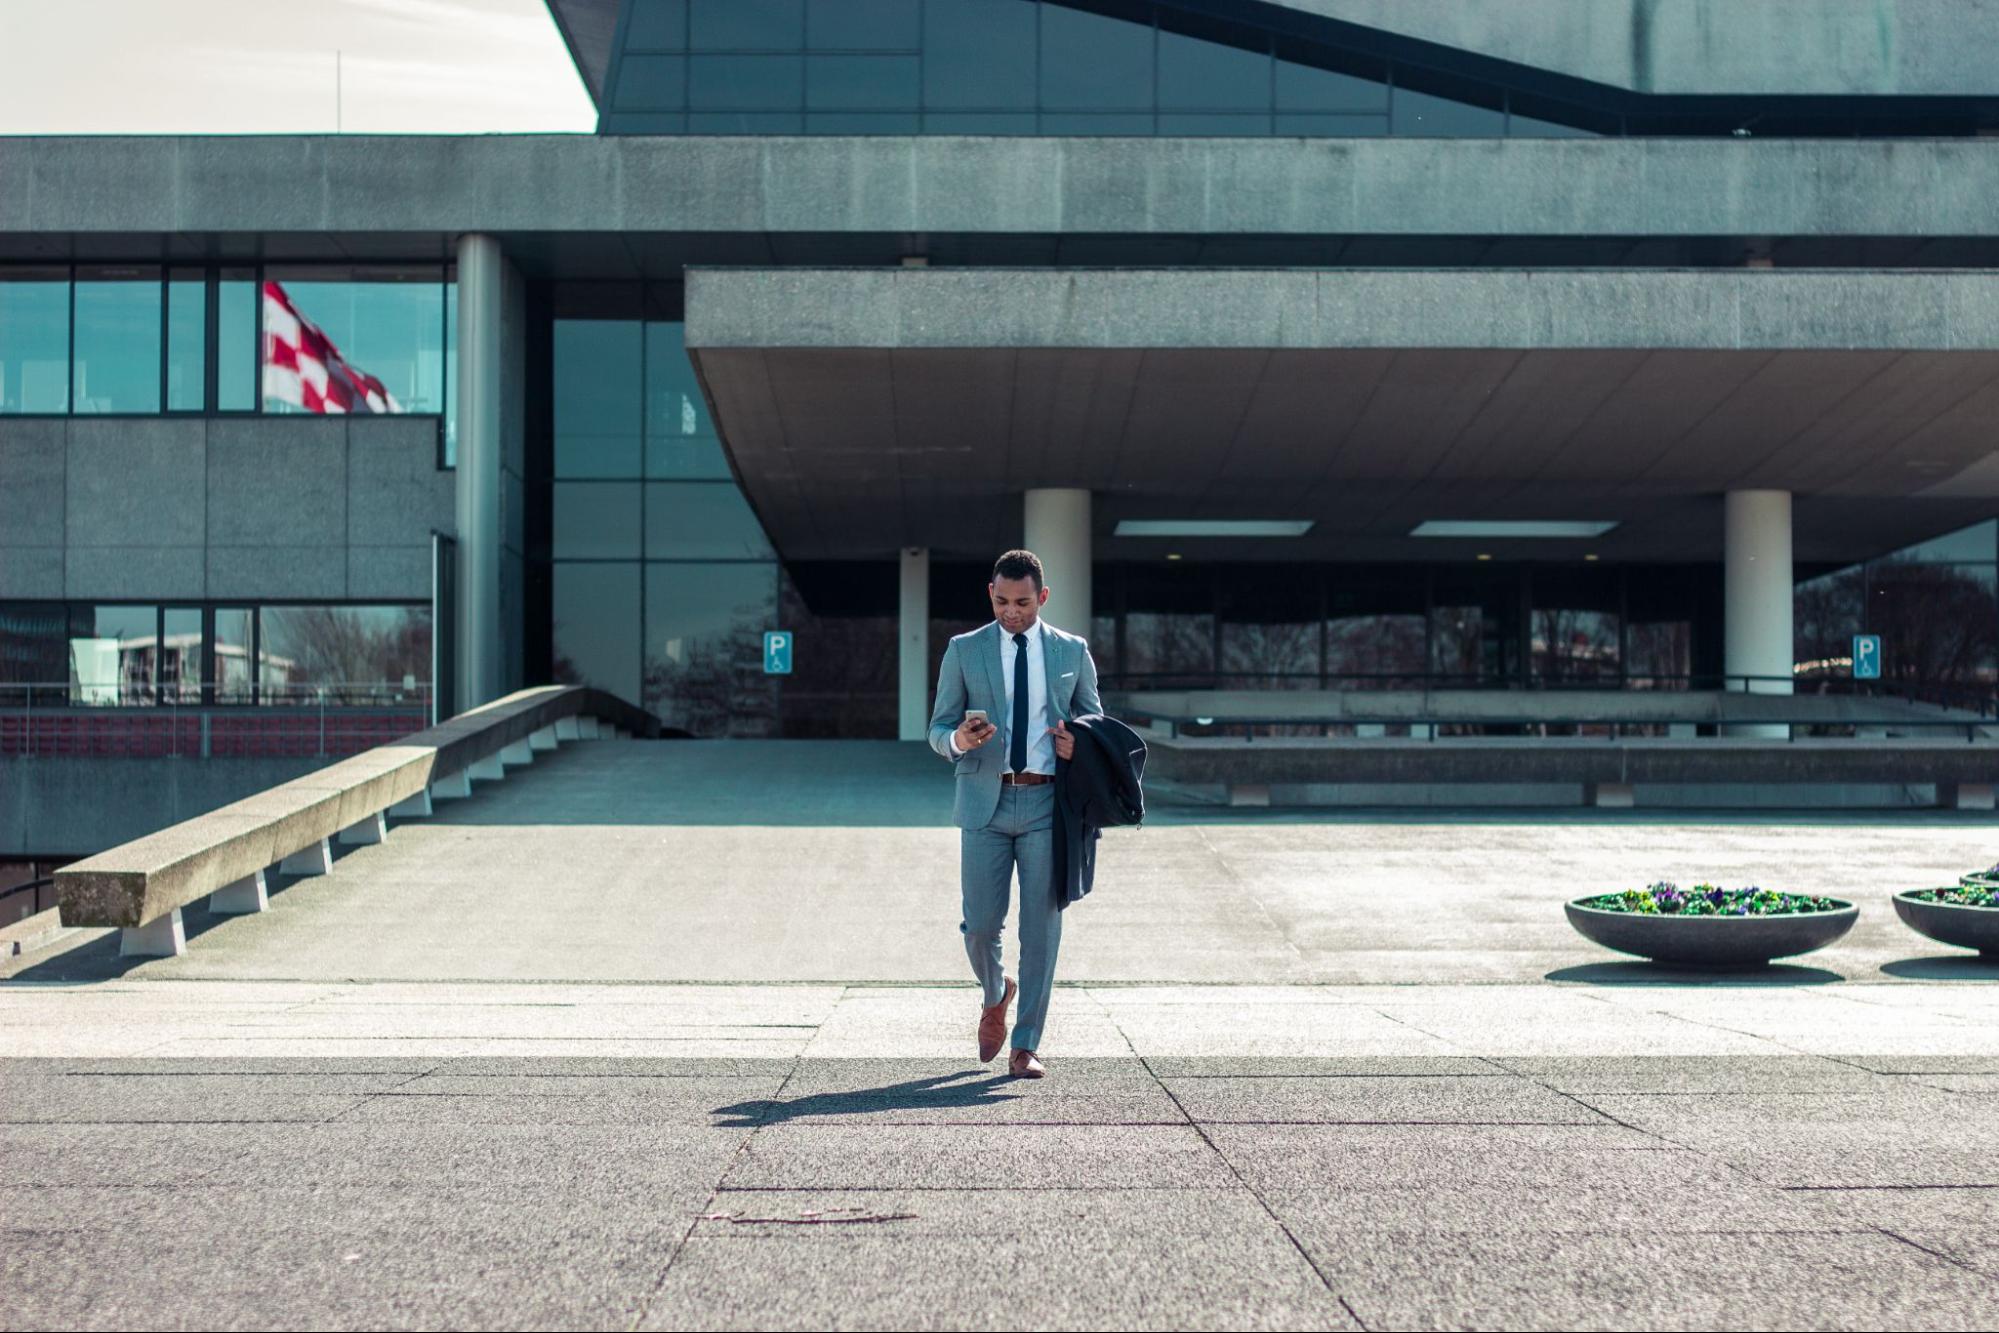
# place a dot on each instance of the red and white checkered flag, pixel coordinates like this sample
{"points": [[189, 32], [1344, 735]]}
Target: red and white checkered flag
{"points": [[303, 367]]}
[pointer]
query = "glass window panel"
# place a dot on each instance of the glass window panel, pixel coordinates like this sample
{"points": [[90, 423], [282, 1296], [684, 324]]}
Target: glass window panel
{"points": [[1332, 127], [645, 122], [978, 54], [451, 374], [844, 683], [1169, 627], [1939, 624], [862, 83], [232, 654], [236, 342], [680, 439], [1199, 73], [999, 123], [1375, 650], [1111, 123], [658, 25], [702, 521], [1317, 78], [34, 645], [112, 655], [863, 25], [1210, 124], [596, 519], [1527, 127], [1091, 61], [117, 340], [745, 122], [1539, 117], [1425, 115], [651, 83], [180, 655], [1659, 654], [1980, 541], [747, 25], [725, 83], [34, 341], [1575, 643], [381, 340], [863, 122], [704, 647], [597, 407], [595, 615], [187, 343], [342, 654]]}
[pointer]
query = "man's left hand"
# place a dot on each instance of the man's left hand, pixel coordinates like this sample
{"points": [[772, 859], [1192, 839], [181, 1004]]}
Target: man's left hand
{"points": [[1065, 741]]}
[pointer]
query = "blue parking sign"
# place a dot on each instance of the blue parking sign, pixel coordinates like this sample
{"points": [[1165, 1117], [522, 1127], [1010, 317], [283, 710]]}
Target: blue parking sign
{"points": [[1867, 657], [777, 653]]}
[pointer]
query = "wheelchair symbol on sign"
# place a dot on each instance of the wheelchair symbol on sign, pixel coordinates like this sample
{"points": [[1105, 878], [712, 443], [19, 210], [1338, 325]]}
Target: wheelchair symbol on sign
{"points": [[777, 653], [1867, 657]]}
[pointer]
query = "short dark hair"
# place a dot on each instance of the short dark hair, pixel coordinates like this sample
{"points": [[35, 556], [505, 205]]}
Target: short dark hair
{"points": [[1019, 565]]}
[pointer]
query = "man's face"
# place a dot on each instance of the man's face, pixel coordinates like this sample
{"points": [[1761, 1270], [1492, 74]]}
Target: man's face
{"points": [[1016, 603]]}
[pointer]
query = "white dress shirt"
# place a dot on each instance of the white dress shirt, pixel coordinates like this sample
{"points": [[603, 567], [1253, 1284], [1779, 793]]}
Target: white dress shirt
{"points": [[1040, 744]]}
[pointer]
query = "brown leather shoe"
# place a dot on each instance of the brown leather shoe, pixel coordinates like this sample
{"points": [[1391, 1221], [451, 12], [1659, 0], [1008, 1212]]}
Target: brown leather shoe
{"points": [[1026, 1065], [992, 1025]]}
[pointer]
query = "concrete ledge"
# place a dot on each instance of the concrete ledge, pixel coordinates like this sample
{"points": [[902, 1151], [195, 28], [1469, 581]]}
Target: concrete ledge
{"points": [[1599, 765], [140, 882], [894, 185]]}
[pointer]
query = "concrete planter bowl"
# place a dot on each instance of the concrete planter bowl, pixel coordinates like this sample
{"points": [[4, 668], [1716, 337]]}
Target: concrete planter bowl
{"points": [[1712, 941], [1951, 923]]}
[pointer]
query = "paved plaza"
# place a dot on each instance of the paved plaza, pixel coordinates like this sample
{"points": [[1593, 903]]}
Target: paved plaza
{"points": [[671, 1035]]}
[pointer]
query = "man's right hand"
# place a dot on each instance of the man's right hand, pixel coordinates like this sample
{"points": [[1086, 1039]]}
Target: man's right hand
{"points": [[972, 733]]}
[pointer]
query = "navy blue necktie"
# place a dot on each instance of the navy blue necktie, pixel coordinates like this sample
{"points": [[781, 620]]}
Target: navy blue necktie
{"points": [[1016, 757]]}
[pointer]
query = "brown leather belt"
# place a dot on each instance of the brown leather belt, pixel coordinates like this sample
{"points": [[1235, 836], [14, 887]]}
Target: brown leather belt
{"points": [[1026, 779]]}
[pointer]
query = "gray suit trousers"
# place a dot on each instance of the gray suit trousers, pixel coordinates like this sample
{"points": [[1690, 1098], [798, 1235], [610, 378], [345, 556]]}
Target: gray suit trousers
{"points": [[1020, 835]]}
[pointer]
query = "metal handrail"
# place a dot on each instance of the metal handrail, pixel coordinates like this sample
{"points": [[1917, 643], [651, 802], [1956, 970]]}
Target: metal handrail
{"points": [[319, 699], [1616, 727]]}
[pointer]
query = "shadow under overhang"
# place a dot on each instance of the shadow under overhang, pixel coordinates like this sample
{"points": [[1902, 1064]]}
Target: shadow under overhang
{"points": [[867, 410]]}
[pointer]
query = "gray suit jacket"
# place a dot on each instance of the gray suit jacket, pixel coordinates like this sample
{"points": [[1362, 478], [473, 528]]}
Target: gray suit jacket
{"points": [[970, 678]]}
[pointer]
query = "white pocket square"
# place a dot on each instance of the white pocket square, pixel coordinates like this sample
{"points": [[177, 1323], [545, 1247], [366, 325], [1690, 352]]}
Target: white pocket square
{"points": [[1066, 674]]}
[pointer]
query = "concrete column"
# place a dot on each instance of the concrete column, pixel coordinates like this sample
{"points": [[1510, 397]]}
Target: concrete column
{"points": [[1057, 529], [1756, 597], [480, 377], [913, 646]]}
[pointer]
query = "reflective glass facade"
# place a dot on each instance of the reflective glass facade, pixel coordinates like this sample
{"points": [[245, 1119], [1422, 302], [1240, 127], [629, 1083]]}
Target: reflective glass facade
{"points": [[661, 582], [1935, 606], [1124, 67], [130, 654], [138, 340]]}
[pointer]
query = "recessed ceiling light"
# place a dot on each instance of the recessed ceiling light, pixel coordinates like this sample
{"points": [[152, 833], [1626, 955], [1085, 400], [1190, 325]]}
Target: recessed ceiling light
{"points": [[1501, 527], [1590, 556], [1172, 555], [1213, 527], [1484, 556]]}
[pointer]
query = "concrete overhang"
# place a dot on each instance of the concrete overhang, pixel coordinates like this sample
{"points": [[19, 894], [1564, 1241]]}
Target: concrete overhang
{"points": [[196, 195], [1710, 47], [871, 409]]}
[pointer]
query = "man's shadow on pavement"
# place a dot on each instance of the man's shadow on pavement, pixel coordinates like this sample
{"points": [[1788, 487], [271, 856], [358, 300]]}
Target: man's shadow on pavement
{"points": [[942, 1092]]}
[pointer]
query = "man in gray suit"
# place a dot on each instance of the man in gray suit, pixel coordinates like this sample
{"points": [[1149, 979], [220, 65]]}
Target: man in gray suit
{"points": [[1027, 678]]}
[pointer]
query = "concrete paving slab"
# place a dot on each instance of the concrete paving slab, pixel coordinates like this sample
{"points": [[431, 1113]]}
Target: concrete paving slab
{"points": [[1443, 1099], [154, 1102], [1509, 1280], [799, 1155], [1443, 1157], [84, 1154], [1160, 1214], [1706, 1074], [505, 1276], [1323, 1066], [601, 1158], [1055, 1277]]}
